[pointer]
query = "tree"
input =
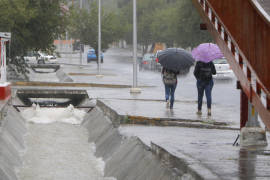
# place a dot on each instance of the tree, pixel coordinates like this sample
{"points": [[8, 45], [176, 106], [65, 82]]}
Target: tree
{"points": [[188, 30], [84, 26], [164, 27], [168, 21], [34, 25]]}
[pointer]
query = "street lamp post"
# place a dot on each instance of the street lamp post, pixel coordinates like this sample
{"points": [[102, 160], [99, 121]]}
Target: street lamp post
{"points": [[134, 88], [80, 41], [99, 34], [99, 39]]}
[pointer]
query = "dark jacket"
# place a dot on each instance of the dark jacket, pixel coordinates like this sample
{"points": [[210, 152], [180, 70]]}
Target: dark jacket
{"points": [[169, 80], [200, 66]]}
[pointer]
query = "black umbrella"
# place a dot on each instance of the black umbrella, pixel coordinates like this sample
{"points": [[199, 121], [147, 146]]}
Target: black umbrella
{"points": [[176, 59]]}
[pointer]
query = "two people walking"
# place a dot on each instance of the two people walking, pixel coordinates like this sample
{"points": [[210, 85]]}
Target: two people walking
{"points": [[175, 60], [203, 73]]}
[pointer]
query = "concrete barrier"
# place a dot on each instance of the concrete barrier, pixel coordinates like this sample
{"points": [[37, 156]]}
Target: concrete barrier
{"points": [[12, 130], [62, 76], [128, 157]]}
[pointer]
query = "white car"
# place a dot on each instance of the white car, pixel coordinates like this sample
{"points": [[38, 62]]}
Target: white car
{"points": [[31, 57], [34, 57], [47, 58], [223, 69]]}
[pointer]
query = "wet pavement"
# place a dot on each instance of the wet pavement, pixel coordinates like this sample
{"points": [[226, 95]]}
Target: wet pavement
{"points": [[209, 148], [117, 69]]}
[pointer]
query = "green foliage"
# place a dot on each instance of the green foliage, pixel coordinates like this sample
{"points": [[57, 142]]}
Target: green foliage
{"points": [[164, 27], [84, 26], [189, 33], [34, 25], [167, 21]]}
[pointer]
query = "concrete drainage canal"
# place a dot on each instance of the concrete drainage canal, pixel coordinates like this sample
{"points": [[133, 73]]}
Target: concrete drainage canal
{"points": [[50, 140]]}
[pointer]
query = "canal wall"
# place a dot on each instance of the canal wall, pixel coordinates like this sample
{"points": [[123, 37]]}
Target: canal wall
{"points": [[125, 157], [129, 157], [62, 76], [12, 130]]}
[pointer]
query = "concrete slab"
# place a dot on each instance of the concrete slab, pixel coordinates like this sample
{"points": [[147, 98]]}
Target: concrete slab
{"points": [[211, 149]]}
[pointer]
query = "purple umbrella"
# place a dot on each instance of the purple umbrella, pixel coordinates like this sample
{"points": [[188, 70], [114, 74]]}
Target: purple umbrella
{"points": [[206, 52]]}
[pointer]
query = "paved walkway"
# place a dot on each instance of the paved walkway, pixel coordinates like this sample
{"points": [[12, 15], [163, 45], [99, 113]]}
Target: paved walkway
{"points": [[208, 148]]}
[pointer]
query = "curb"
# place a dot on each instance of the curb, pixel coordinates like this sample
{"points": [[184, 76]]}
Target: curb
{"points": [[187, 164], [67, 84], [180, 165], [118, 119]]}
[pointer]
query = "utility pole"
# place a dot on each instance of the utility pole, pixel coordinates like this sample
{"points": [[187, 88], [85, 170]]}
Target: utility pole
{"points": [[99, 75], [134, 88], [99, 34], [80, 41], [80, 4]]}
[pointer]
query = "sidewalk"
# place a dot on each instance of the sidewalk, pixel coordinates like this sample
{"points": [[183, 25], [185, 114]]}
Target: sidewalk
{"points": [[150, 102]]}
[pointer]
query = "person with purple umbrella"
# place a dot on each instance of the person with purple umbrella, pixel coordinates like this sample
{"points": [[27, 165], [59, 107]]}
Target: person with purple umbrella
{"points": [[204, 69]]}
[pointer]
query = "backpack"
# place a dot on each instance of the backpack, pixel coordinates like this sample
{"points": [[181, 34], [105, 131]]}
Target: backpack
{"points": [[169, 77], [205, 73]]}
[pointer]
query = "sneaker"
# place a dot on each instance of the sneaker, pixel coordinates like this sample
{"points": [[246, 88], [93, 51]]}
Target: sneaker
{"points": [[209, 112], [167, 104], [199, 112]]}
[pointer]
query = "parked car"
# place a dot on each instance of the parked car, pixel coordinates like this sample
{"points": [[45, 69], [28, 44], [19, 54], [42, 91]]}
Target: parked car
{"points": [[91, 56], [223, 69], [39, 57], [147, 61], [157, 65], [31, 57], [47, 58]]}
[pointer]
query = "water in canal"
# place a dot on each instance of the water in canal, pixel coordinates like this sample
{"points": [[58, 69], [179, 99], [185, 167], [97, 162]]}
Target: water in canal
{"points": [[57, 147]]}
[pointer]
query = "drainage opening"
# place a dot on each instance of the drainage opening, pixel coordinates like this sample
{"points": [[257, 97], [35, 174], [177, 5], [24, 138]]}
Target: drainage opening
{"points": [[52, 98], [45, 68]]}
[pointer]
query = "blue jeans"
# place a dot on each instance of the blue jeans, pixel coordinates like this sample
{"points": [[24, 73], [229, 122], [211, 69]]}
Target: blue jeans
{"points": [[169, 93], [207, 87]]}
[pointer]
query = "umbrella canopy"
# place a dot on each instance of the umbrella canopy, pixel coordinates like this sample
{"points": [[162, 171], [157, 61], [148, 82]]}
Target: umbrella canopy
{"points": [[206, 52], [175, 59]]}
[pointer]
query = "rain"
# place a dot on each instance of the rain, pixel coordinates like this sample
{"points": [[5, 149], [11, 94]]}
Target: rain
{"points": [[87, 95]]}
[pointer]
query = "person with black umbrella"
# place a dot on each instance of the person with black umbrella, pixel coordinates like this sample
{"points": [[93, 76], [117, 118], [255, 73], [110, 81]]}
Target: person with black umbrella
{"points": [[173, 61], [170, 82]]}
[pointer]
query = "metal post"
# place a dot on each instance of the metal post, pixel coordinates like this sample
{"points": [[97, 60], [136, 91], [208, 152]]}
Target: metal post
{"points": [[80, 41], [3, 61], [134, 44], [134, 88], [80, 55], [80, 4], [99, 34], [244, 109], [99, 75]]}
